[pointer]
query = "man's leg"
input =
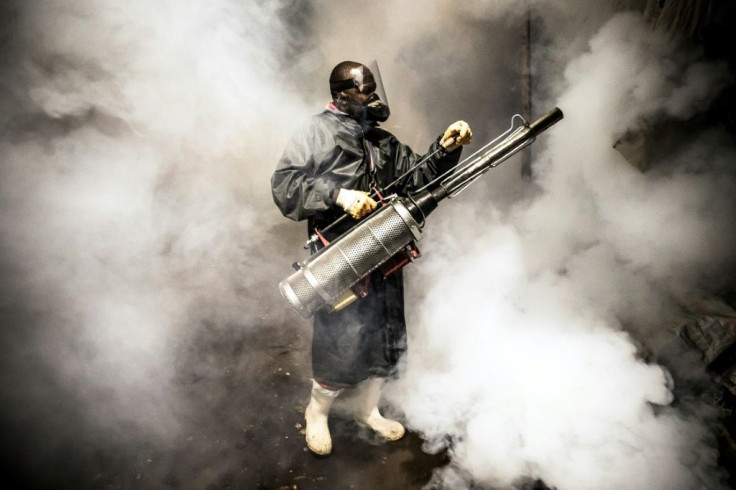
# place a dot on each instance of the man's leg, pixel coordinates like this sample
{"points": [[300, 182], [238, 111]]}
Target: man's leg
{"points": [[318, 433], [368, 393]]}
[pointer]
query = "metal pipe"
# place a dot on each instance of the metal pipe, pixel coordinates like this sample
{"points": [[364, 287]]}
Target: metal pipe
{"points": [[323, 279], [494, 156], [469, 170]]}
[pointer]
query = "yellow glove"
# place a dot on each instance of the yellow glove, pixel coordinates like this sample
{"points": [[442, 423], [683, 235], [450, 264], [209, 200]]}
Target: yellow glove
{"points": [[456, 134], [356, 203]]}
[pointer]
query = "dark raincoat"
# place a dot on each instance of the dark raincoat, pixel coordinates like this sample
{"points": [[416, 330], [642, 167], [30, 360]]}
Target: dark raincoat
{"points": [[331, 152]]}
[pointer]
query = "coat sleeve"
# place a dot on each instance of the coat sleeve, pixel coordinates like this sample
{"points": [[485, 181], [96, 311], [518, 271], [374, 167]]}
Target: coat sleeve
{"points": [[436, 165], [305, 177]]}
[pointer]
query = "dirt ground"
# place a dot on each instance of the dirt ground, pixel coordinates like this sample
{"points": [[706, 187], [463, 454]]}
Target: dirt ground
{"points": [[263, 445], [243, 391]]}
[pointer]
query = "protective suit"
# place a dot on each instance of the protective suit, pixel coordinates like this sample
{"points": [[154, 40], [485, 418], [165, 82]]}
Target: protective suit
{"points": [[331, 152]]}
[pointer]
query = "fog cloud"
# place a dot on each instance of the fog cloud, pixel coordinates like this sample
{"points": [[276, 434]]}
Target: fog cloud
{"points": [[137, 144]]}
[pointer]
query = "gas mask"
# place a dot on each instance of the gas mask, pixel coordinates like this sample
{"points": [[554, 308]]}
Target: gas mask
{"points": [[367, 102], [375, 109]]}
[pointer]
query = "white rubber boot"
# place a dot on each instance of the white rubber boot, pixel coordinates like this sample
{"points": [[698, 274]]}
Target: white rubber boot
{"points": [[318, 433], [367, 396]]}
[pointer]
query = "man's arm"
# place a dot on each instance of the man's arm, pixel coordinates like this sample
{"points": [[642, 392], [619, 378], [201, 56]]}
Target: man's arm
{"points": [[448, 144], [297, 186], [315, 173]]}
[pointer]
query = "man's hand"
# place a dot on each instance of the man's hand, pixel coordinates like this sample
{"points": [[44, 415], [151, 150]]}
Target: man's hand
{"points": [[457, 134], [356, 203]]}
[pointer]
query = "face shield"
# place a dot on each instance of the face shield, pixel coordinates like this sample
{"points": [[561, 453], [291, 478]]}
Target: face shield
{"points": [[378, 102]]}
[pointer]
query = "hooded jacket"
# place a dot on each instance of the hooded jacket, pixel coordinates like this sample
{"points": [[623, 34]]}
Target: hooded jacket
{"points": [[333, 151]]}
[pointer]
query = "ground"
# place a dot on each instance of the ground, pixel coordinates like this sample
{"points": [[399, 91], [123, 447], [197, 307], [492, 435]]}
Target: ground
{"points": [[243, 390], [263, 445]]}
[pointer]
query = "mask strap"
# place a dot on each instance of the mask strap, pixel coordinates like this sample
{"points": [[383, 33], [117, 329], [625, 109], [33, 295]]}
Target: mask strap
{"points": [[343, 85]]}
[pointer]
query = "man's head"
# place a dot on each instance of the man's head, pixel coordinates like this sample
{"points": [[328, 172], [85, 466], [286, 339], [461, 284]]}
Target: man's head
{"points": [[353, 89]]}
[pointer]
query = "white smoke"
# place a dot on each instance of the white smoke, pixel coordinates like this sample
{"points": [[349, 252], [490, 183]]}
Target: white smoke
{"points": [[518, 360], [137, 144], [135, 182]]}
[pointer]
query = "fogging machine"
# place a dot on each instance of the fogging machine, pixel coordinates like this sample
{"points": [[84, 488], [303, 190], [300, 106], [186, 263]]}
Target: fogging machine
{"points": [[385, 238]]}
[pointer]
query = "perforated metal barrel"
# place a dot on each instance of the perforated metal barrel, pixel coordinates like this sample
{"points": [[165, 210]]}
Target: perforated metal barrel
{"points": [[331, 271]]}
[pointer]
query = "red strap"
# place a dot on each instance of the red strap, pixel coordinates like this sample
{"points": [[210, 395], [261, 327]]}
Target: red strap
{"points": [[321, 238], [370, 154], [380, 197]]}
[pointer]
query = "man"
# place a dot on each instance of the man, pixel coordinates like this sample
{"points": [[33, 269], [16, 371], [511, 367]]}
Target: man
{"points": [[329, 168]]}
